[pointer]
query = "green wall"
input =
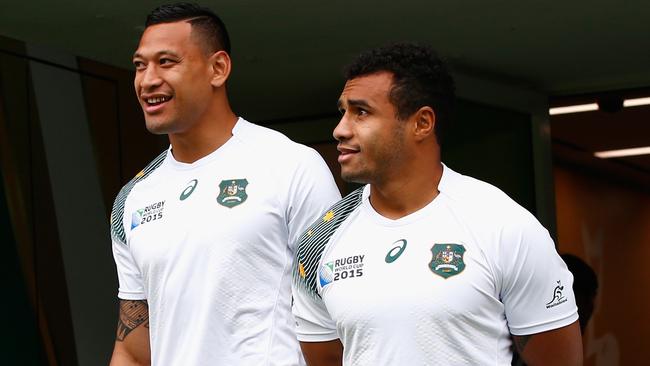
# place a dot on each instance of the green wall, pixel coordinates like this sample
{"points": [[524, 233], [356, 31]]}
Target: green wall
{"points": [[493, 145]]}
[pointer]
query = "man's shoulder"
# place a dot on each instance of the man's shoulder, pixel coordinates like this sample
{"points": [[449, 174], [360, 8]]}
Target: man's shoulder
{"points": [[273, 141], [313, 241], [484, 200], [117, 213], [143, 174]]}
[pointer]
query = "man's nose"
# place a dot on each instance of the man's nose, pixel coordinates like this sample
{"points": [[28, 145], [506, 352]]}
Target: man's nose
{"points": [[342, 129], [150, 78]]}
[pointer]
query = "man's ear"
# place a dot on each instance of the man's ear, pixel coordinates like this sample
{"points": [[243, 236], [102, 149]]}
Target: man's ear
{"points": [[220, 62], [424, 122]]}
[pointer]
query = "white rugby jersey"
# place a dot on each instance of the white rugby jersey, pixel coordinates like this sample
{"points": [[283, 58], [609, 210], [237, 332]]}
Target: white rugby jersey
{"points": [[445, 285], [210, 246]]}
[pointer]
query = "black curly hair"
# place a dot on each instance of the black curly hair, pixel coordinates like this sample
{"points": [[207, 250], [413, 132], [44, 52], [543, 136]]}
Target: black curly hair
{"points": [[203, 20], [420, 78]]}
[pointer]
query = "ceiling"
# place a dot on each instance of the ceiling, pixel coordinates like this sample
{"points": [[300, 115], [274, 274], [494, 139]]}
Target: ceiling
{"points": [[288, 54], [577, 136], [557, 48]]}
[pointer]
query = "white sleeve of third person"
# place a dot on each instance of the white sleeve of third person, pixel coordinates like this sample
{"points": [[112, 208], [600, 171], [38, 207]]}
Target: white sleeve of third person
{"points": [[536, 286]]}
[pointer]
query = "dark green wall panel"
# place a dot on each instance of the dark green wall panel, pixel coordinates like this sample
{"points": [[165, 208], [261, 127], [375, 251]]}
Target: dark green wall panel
{"points": [[20, 342]]}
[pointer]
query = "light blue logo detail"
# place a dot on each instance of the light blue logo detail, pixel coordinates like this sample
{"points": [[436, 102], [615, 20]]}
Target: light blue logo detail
{"points": [[326, 274], [136, 218]]}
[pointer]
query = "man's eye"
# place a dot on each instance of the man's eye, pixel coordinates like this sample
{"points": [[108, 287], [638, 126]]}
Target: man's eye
{"points": [[139, 65], [362, 112], [165, 61]]}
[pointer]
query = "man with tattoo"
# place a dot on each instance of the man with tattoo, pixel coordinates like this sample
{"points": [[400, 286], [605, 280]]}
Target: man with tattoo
{"points": [[203, 237], [423, 265]]}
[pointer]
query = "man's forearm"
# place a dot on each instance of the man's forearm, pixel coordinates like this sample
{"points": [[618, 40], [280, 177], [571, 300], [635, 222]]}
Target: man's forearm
{"points": [[323, 353], [123, 358], [558, 347], [132, 339]]}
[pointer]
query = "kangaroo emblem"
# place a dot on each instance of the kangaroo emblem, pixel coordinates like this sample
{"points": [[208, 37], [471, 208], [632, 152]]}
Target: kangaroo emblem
{"points": [[557, 293]]}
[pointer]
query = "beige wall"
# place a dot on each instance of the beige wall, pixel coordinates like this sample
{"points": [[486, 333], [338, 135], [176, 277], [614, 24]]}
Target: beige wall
{"points": [[608, 225]]}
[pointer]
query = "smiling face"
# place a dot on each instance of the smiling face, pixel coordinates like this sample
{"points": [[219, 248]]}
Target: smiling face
{"points": [[371, 138], [172, 78]]}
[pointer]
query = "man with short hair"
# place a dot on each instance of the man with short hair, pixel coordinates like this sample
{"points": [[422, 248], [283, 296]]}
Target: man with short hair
{"points": [[203, 237], [423, 265]]}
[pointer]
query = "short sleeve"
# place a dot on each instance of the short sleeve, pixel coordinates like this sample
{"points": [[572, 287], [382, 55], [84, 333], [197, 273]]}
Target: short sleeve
{"points": [[312, 191], [536, 284], [313, 321], [128, 274]]}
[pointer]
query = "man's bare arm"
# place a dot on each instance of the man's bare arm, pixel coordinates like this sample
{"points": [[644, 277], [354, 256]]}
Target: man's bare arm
{"points": [[558, 347], [323, 353], [132, 340]]}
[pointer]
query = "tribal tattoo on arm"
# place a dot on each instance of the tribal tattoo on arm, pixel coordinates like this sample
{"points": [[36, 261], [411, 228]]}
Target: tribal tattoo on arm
{"points": [[133, 313]]}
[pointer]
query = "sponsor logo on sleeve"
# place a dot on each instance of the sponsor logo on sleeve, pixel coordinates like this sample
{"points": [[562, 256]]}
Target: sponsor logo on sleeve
{"points": [[152, 212], [558, 298], [232, 192], [447, 259], [341, 269]]}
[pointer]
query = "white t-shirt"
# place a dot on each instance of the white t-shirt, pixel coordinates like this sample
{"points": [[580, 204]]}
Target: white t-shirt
{"points": [[445, 285], [210, 246]]}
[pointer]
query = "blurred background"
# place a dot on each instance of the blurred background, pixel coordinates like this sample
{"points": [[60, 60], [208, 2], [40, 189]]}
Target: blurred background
{"points": [[546, 93]]}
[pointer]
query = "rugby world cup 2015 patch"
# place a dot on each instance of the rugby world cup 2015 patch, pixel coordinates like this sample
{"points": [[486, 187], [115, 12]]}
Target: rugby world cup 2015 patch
{"points": [[232, 192], [149, 213], [447, 259], [341, 269]]}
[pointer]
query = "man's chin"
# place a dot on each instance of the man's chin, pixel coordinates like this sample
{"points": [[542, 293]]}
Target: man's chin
{"points": [[354, 177], [157, 127]]}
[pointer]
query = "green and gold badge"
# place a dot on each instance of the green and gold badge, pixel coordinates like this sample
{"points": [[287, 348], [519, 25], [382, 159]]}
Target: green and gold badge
{"points": [[232, 192], [447, 259]]}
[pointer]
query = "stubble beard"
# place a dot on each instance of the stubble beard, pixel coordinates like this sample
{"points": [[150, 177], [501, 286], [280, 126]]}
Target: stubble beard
{"points": [[387, 159], [360, 176]]}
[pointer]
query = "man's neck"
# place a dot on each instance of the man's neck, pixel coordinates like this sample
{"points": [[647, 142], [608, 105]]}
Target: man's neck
{"points": [[406, 193], [204, 138]]}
